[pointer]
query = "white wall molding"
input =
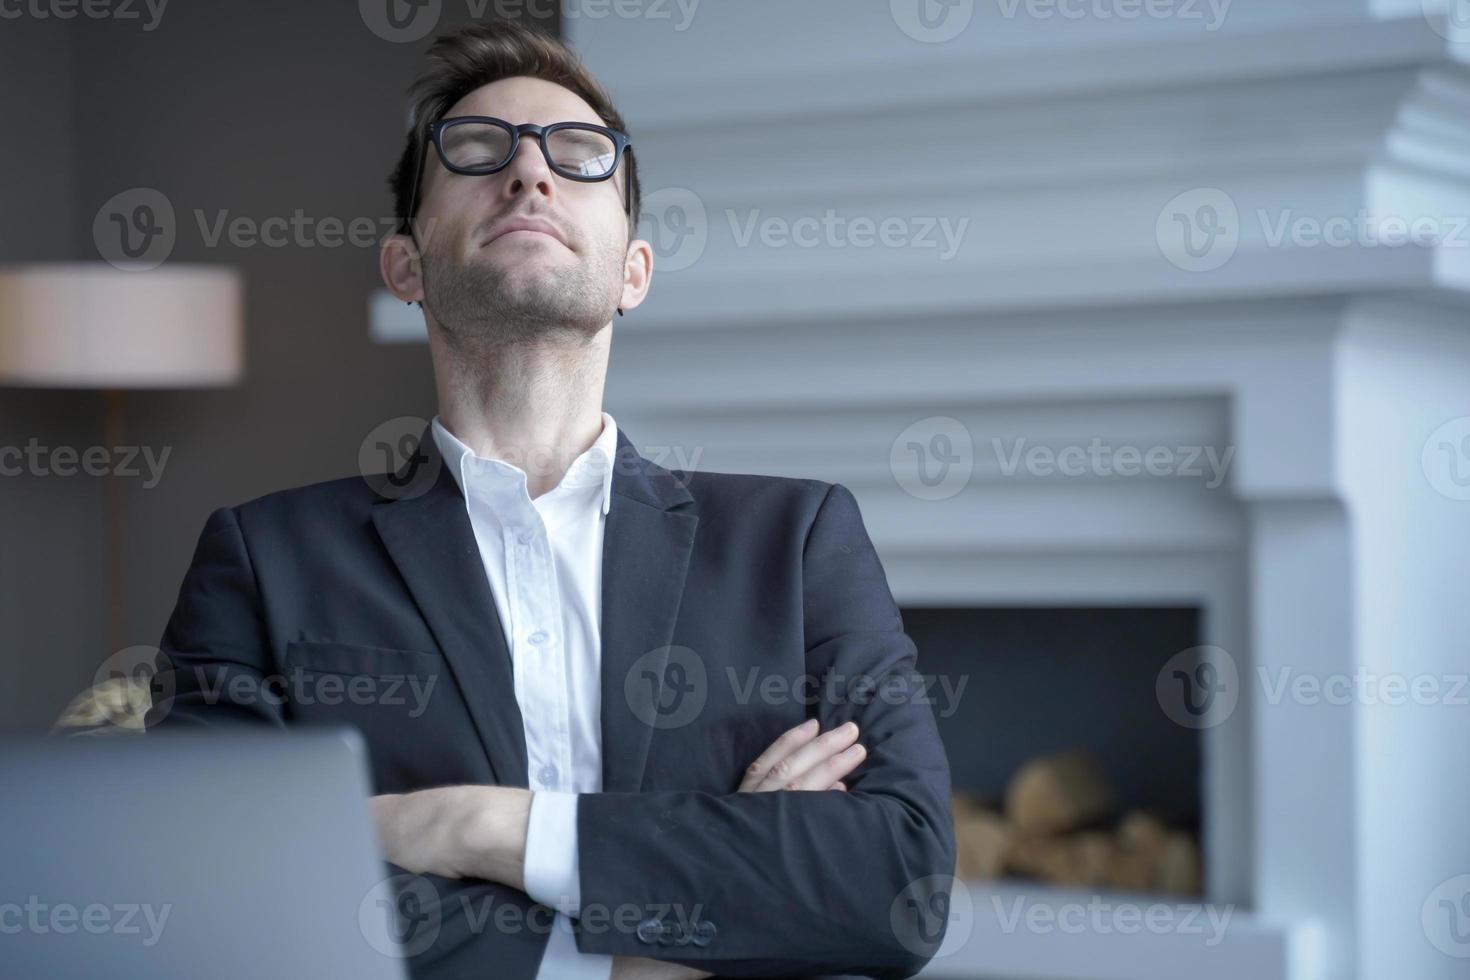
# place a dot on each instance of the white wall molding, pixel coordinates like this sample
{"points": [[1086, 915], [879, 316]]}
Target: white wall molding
{"points": [[1070, 311]]}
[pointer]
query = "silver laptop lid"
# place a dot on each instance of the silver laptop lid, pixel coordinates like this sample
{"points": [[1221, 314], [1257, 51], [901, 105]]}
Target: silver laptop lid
{"points": [[226, 854]]}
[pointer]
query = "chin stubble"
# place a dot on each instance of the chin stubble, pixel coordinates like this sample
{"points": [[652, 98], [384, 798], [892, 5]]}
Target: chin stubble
{"points": [[478, 302]]}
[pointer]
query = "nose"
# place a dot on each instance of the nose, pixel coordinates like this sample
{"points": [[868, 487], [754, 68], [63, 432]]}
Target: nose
{"points": [[528, 169]]}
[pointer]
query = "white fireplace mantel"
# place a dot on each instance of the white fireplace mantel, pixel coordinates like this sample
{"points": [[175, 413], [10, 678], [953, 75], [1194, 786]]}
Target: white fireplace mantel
{"points": [[1068, 313]]}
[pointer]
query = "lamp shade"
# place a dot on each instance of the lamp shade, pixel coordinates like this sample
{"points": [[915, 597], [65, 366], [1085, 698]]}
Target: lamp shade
{"points": [[90, 325]]}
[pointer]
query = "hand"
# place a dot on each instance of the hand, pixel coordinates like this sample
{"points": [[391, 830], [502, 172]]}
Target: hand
{"points": [[456, 831], [802, 759], [479, 831], [642, 968]]}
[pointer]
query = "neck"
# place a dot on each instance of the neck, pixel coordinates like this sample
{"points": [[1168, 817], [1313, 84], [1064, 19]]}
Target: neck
{"points": [[535, 404]]}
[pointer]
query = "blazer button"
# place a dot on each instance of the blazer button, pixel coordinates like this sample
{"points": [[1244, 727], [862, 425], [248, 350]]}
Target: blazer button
{"points": [[650, 931], [704, 931]]}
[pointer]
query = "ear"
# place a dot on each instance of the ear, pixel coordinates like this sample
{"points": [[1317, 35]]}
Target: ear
{"points": [[637, 274], [398, 262]]}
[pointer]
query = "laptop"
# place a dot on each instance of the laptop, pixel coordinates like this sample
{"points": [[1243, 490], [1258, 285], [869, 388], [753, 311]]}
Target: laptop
{"points": [[222, 854]]}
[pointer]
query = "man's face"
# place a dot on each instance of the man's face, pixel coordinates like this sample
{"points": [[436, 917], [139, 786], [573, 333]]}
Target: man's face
{"points": [[484, 283]]}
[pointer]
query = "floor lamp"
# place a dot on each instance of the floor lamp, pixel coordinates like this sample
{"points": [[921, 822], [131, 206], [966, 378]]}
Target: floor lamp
{"points": [[93, 326]]}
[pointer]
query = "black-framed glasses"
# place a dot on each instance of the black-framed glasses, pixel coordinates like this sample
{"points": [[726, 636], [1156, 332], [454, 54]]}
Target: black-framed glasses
{"points": [[479, 145]]}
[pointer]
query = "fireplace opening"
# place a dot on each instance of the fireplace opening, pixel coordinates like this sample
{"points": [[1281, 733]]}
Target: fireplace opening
{"points": [[1065, 766]]}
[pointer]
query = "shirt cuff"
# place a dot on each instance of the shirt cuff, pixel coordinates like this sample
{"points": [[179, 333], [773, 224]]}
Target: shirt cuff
{"points": [[552, 872]]}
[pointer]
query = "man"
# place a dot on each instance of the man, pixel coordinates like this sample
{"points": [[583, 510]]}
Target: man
{"points": [[562, 654]]}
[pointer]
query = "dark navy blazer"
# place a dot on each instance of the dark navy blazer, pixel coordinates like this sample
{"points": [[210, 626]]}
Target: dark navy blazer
{"points": [[733, 608]]}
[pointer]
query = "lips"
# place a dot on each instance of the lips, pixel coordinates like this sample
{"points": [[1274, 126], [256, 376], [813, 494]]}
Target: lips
{"points": [[526, 223]]}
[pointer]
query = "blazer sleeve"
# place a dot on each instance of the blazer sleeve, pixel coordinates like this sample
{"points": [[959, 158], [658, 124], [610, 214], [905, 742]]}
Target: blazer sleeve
{"points": [[797, 882], [214, 664], [215, 669]]}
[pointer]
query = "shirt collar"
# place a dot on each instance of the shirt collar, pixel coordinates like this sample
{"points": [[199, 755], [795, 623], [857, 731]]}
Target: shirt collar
{"points": [[592, 468]]}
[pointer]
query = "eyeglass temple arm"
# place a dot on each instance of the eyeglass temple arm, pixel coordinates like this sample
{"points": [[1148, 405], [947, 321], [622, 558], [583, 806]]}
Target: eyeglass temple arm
{"points": [[413, 196]]}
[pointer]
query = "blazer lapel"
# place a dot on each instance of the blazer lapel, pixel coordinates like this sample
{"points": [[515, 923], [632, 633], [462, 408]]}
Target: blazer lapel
{"points": [[646, 547], [427, 531], [645, 556]]}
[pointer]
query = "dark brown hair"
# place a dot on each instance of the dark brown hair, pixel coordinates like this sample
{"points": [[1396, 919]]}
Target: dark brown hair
{"points": [[461, 62]]}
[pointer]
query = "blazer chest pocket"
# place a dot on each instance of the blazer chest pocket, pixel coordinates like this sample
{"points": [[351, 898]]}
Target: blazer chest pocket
{"points": [[323, 675], [404, 702]]}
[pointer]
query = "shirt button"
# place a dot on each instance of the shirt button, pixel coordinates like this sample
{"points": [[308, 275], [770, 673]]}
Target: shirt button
{"points": [[539, 637], [524, 537], [547, 775]]}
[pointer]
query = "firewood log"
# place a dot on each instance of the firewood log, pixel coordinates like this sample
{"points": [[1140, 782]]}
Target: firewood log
{"points": [[1057, 793], [982, 839], [1178, 868]]}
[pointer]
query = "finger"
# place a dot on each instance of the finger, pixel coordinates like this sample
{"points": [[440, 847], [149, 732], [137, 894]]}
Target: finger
{"points": [[788, 742], [829, 771], [814, 752], [840, 785]]}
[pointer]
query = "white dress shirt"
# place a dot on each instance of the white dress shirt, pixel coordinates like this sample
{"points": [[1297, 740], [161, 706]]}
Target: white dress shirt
{"points": [[543, 558]]}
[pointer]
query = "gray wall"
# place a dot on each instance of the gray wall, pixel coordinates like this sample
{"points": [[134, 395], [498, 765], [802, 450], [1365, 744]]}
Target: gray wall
{"points": [[259, 109], [51, 588]]}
